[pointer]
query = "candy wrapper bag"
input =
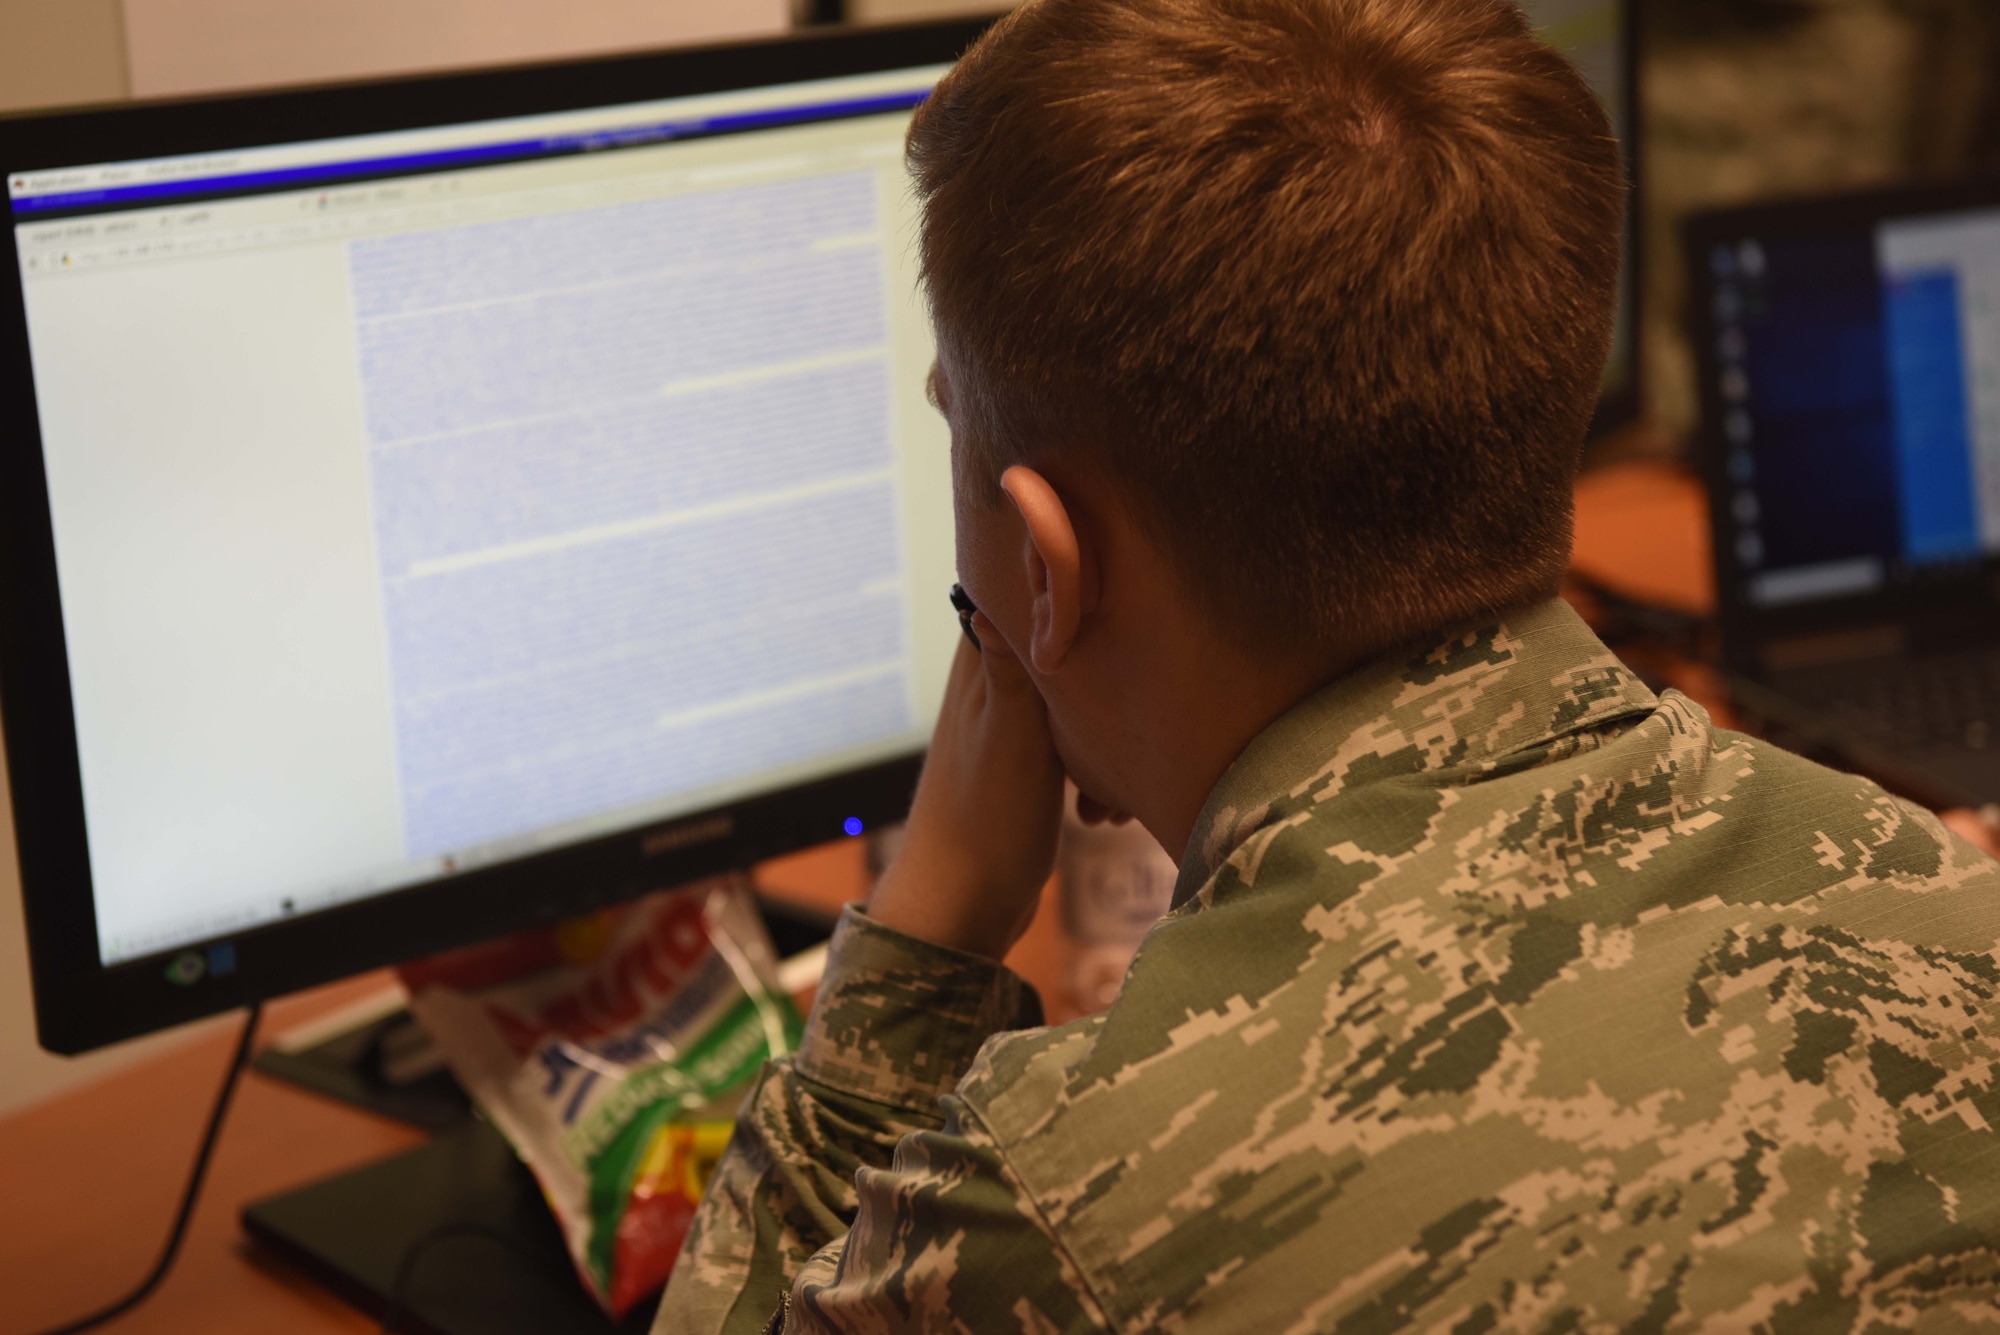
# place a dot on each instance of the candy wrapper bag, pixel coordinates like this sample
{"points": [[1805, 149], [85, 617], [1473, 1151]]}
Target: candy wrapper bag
{"points": [[611, 1052]]}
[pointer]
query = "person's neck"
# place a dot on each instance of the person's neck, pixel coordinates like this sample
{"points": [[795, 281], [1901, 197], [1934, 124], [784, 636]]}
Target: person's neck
{"points": [[1190, 720], [1187, 726]]}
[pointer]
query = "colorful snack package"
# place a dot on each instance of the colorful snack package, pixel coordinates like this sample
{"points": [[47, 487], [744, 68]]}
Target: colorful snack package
{"points": [[612, 1052]]}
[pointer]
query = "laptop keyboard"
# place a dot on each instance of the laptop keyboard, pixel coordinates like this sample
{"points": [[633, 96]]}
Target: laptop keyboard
{"points": [[1945, 700]]}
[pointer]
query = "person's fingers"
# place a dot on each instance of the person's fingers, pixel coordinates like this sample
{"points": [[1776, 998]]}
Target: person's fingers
{"points": [[1974, 828]]}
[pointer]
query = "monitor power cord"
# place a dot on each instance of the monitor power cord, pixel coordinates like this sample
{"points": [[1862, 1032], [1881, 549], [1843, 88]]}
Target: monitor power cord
{"points": [[188, 1197]]}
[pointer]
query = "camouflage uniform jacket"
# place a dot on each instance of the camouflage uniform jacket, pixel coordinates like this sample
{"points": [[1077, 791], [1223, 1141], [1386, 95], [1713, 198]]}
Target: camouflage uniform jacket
{"points": [[1500, 996]]}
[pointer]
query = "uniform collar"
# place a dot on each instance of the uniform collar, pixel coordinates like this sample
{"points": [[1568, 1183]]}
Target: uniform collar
{"points": [[1456, 711]]}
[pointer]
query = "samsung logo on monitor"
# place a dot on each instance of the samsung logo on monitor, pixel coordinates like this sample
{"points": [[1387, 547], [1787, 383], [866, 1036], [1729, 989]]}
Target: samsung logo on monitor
{"points": [[687, 834]]}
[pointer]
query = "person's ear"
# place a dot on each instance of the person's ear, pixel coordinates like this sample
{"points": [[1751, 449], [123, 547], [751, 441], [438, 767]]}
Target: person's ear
{"points": [[1056, 572]]}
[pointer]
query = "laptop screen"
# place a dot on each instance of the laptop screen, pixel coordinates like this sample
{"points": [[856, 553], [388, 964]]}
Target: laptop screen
{"points": [[1855, 382]]}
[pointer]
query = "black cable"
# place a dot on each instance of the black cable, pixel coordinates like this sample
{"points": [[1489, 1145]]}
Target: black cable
{"points": [[188, 1197]]}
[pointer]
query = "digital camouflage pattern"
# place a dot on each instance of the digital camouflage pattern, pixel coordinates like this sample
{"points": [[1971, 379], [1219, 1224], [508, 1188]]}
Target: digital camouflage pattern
{"points": [[1500, 995]]}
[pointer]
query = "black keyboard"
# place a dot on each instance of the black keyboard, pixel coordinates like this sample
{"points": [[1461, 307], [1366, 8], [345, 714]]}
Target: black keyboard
{"points": [[1938, 701]]}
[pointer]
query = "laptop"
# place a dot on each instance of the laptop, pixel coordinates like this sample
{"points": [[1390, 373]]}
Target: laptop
{"points": [[1849, 359]]}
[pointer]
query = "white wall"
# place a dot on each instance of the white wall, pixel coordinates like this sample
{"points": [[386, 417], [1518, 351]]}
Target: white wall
{"points": [[65, 51], [57, 51], [186, 46], [910, 11]]}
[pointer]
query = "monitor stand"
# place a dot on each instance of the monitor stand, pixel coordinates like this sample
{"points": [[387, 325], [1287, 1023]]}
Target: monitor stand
{"points": [[352, 1066], [459, 1217], [451, 1238]]}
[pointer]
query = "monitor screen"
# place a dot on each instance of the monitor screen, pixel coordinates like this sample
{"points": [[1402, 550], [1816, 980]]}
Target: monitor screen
{"points": [[426, 499], [1854, 383]]}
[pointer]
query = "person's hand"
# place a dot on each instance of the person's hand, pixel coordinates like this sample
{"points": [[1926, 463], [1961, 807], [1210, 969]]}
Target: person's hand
{"points": [[1977, 828], [981, 838]]}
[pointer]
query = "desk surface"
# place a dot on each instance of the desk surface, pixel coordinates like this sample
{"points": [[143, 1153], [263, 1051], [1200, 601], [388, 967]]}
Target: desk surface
{"points": [[89, 1179]]}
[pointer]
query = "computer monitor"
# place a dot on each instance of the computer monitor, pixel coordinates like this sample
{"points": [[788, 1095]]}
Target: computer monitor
{"points": [[444, 505]]}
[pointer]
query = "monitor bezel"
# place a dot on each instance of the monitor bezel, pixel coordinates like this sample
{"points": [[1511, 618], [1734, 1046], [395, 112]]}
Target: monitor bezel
{"points": [[1746, 628], [81, 1003]]}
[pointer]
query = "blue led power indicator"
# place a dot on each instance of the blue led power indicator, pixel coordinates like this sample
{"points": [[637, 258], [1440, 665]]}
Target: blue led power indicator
{"points": [[852, 825]]}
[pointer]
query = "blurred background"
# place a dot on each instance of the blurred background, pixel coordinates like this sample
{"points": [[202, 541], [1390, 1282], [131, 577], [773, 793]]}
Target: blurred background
{"points": [[1748, 99]]}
